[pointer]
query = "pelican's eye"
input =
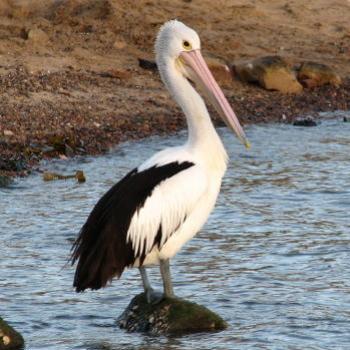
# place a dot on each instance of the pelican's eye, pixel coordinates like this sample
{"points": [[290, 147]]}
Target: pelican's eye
{"points": [[186, 45]]}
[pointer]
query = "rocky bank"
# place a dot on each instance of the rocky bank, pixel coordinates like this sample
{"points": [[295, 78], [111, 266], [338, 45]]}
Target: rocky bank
{"points": [[71, 81]]}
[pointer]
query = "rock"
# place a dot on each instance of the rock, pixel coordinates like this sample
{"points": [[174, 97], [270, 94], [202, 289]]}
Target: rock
{"points": [[5, 181], [58, 142], [271, 72], [308, 121], [346, 119], [172, 315], [119, 44], [8, 133], [37, 35], [220, 71], [10, 165], [147, 64], [313, 74], [9, 338], [79, 175]]}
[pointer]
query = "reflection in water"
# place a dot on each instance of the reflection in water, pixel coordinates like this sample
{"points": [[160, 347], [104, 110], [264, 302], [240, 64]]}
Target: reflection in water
{"points": [[273, 259]]}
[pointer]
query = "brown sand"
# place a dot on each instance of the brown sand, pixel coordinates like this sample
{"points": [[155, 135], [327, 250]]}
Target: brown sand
{"points": [[70, 81]]}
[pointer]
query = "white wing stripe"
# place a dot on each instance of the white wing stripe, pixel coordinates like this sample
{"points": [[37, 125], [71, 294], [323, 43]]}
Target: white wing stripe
{"points": [[170, 202]]}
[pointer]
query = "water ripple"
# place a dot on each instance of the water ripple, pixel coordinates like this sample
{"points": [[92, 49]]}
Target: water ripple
{"points": [[273, 258]]}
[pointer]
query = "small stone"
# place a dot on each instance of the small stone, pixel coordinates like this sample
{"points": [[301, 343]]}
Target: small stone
{"points": [[119, 44], [308, 121], [346, 119], [8, 133], [37, 35], [147, 64]]}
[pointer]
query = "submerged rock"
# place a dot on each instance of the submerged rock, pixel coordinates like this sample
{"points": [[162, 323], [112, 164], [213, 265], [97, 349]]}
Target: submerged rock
{"points": [[271, 72], [313, 74], [9, 338], [171, 315], [308, 121]]}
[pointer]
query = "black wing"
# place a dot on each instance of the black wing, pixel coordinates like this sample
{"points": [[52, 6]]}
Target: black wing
{"points": [[101, 248]]}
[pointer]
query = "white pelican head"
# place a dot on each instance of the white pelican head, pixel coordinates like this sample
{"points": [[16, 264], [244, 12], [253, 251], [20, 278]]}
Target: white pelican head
{"points": [[178, 48]]}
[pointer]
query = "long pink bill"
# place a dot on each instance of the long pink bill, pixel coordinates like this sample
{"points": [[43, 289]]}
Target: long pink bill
{"points": [[200, 73]]}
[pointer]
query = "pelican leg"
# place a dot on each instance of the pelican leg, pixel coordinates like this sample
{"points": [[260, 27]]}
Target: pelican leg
{"points": [[167, 283], [153, 297]]}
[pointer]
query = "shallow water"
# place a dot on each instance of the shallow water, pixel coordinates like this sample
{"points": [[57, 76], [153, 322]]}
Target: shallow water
{"points": [[273, 259]]}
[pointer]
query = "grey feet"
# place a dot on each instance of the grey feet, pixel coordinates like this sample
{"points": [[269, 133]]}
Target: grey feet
{"points": [[154, 296]]}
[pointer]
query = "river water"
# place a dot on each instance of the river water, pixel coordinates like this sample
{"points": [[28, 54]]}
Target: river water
{"points": [[273, 259]]}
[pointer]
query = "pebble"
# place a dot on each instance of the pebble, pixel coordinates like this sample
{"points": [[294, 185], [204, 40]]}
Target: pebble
{"points": [[119, 44], [37, 35], [147, 64], [8, 133], [308, 121]]}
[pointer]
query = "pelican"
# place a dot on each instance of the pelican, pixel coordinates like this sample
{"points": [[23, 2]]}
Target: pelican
{"points": [[156, 208]]}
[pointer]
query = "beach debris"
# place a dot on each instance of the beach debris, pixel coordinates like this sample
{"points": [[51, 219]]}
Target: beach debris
{"points": [[79, 176], [271, 72], [307, 121], [312, 74], [171, 315]]}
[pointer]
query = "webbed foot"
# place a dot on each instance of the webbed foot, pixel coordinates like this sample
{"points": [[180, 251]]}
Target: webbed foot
{"points": [[154, 297]]}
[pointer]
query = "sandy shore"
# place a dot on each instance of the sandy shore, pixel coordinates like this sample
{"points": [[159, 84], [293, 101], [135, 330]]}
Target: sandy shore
{"points": [[70, 82]]}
